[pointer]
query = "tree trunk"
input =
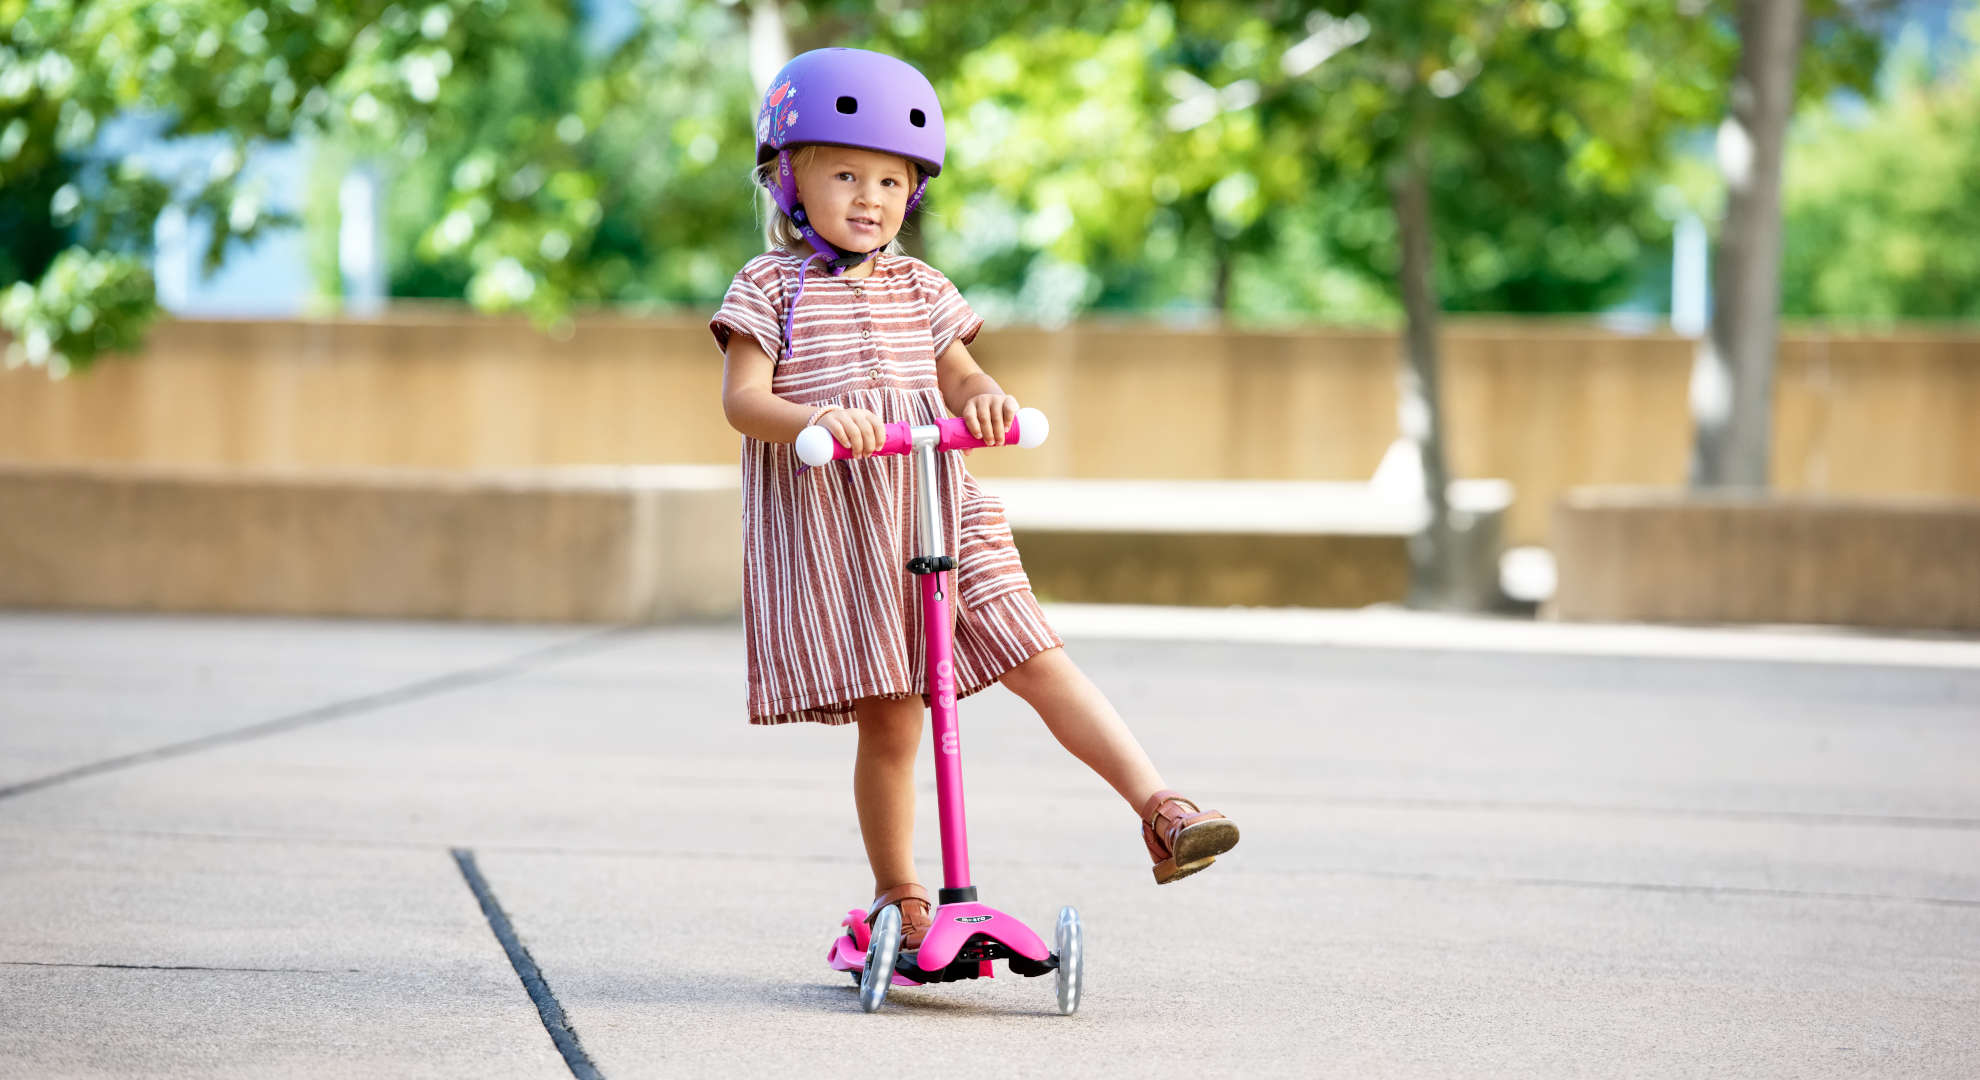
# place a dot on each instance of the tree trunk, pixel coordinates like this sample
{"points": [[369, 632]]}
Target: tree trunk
{"points": [[1732, 375], [1436, 572], [1220, 282]]}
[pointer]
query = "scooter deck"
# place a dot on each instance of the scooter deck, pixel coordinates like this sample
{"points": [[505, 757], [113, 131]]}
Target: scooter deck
{"points": [[848, 950], [964, 943]]}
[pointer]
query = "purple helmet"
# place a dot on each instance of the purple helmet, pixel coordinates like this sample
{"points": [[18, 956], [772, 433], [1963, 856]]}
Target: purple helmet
{"points": [[852, 97], [845, 97]]}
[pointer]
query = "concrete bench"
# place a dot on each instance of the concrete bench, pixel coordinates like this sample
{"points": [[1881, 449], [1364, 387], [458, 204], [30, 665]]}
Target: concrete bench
{"points": [[1221, 542], [559, 544], [1668, 555], [615, 544]]}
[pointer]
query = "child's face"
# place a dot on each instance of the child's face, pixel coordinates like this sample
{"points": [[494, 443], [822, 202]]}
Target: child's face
{"points": [[855, 198]]}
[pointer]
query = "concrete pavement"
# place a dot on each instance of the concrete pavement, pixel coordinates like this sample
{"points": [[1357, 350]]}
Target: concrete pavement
{"points": [[226, 850]]}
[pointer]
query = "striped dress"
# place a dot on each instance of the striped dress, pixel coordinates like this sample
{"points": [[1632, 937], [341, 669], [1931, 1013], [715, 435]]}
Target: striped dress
{"points": [[830, 613]]}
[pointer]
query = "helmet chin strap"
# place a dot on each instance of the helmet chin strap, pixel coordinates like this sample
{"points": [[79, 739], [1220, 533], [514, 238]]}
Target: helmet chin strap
{"points": [[836, 260]]}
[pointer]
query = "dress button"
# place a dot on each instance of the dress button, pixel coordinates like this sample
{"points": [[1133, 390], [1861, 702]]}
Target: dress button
{"points": [[866, 333], [857, 292], [873, 371]]}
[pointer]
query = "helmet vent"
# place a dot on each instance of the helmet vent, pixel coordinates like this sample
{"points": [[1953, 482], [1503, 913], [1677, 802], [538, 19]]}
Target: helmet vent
{"points": [[917, 118], [848, 105]]}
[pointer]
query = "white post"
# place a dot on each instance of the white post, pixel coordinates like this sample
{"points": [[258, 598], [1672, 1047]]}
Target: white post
{"points": [[360, 241], [172, 260], [1691, 281]]}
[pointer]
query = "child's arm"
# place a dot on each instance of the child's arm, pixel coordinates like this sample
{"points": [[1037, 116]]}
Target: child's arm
{"points": [[752, 409], [972, 394]]}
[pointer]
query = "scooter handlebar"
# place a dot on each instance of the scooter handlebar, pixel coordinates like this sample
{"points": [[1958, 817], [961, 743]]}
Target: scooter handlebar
{"points": [[816, 446]]}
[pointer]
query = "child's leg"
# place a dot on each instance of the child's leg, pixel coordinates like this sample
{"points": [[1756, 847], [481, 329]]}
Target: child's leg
{"points": [[883, 786], [1181, 837], [1085, 723]]}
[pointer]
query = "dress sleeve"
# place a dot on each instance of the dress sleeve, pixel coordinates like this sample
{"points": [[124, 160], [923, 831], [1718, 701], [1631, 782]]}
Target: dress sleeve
{"points": [[950, 318], [747, 310]]}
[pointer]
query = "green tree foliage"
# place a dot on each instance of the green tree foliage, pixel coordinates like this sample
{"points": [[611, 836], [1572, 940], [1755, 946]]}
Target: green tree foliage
{"points": [[1882, 201], [1217, 156], [574, 177], [374, 72], [1545, 127], [1233, 155]]}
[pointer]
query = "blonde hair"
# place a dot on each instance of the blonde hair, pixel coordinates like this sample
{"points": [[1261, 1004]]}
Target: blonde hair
{"points": [[780, 233]]}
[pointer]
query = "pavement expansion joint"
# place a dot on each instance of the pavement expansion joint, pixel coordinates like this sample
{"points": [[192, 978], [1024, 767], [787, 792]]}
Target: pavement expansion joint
{"points": [[1813, 818], [336, 710], [182, 967], [555, 1022], [1744, 891]]}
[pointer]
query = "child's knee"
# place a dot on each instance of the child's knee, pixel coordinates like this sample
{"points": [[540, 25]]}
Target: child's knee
{"points": [[889, 725], [1029, 674]]}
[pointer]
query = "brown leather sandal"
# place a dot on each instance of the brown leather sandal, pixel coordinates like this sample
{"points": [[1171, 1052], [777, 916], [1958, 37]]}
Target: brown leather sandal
{"points": [[1183, 841], [914, 903]]}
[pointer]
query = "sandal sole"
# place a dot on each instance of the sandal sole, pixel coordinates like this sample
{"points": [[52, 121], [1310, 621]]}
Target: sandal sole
{"points": [[1205, 840], [1196, 848], [1166, 871]]}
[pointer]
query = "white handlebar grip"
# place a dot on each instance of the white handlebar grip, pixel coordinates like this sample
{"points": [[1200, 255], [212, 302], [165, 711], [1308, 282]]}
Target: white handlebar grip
{"points": [[814, 445], [1032, 427]]}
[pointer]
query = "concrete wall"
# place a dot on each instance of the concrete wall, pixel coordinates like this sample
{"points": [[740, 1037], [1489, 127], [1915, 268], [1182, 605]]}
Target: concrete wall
{"points": [[1548, 405], [1674, 556], [583, 545], [635, 544]]}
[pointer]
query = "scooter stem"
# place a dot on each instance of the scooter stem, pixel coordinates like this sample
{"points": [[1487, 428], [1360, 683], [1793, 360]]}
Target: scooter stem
{"points": [[939, 627], [948, 737]]}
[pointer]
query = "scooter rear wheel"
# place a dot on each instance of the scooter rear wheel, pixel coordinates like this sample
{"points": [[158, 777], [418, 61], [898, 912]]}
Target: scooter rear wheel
{"points": [[885, 944], [1069, 960]]}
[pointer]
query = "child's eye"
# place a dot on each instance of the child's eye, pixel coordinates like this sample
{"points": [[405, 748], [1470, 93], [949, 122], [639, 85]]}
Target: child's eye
{"points": [[845, 176], [891, 182]]}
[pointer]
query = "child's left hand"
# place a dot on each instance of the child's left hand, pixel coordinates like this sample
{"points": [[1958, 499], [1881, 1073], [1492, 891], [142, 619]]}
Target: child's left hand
{"points": [[989, 417]]}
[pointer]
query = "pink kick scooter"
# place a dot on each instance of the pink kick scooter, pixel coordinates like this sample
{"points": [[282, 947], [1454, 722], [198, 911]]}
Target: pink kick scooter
{"points": [[966, 937]]}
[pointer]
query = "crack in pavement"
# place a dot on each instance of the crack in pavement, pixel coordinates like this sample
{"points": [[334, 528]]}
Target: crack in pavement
{"points": [[336, 710], [179, 967]]}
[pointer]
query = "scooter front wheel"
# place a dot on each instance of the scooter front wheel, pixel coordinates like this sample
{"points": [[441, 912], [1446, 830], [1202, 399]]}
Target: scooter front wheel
{"points": [[1069, 960], [881, 949]]}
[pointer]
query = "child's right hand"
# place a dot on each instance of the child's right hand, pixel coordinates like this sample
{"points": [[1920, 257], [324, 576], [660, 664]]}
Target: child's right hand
{"points": [[857, 430]]}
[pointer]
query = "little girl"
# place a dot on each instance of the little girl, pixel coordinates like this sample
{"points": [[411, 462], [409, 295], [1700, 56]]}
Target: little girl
{"points": [[846, 142]]}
